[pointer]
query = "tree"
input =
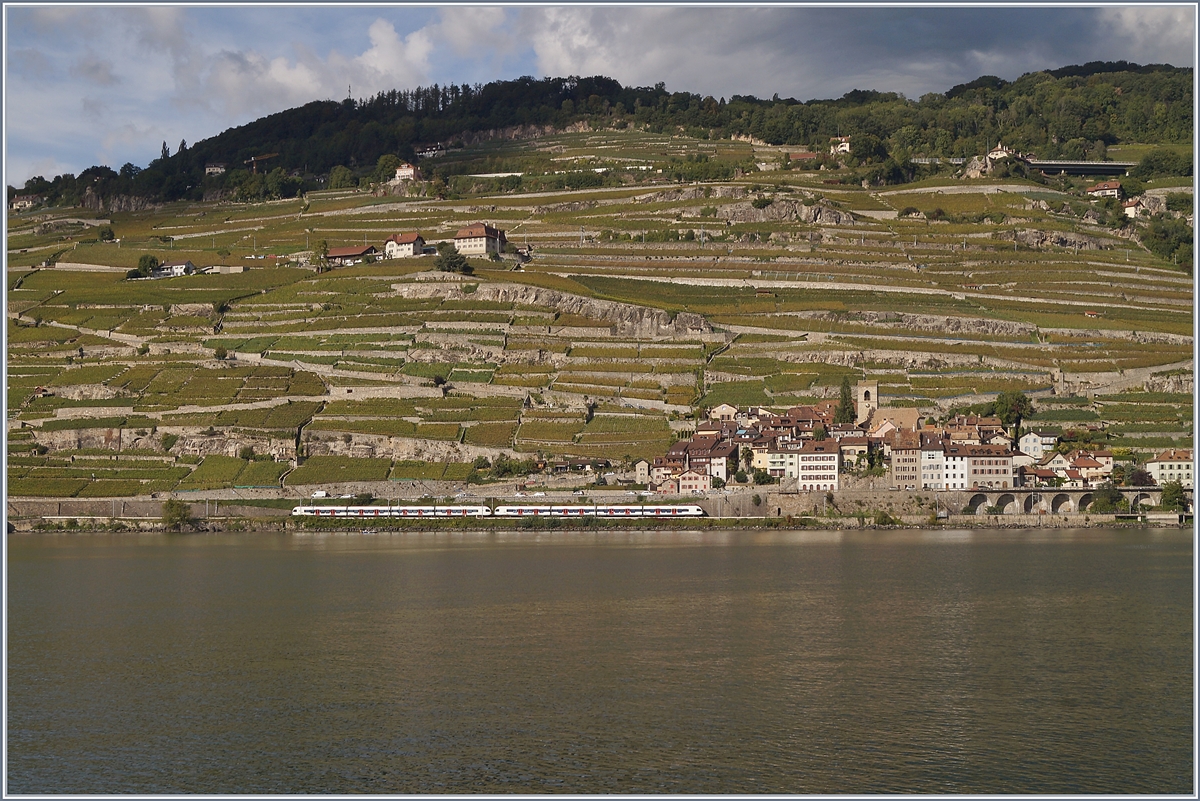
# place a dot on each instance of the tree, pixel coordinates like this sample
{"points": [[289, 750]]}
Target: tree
{"points": [[322, 254], [1173, 498], [385, 168], [846, 413], [106, 233], [1011, 407], [1138, 477], [176, 514], [1108, 499], [166, 154], [449, 260], [147, 264], [220, 353], [819, 434], [341, 178]]}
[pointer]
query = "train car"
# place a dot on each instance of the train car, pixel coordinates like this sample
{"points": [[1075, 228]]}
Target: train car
{"points": [[391, 511], [605, 511], [508, 511]]}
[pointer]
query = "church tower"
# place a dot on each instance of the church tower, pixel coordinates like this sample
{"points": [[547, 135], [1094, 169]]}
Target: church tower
{"points": [[866, 395]]}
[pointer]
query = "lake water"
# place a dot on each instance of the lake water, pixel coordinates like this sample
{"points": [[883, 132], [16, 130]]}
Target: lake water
{"points": [[716, 662]]}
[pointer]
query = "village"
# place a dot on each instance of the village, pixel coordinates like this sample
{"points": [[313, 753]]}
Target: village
{"points": [[808, 451]]}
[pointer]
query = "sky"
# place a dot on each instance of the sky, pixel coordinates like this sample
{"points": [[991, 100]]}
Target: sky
{"points": [[97, 84]]}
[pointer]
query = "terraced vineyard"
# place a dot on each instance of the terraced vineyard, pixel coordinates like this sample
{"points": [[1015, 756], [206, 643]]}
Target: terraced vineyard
{"points": [[641, 305]]}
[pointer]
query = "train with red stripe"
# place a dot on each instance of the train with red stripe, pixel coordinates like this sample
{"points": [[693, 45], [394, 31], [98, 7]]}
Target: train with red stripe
{"points": [[507, 511]]}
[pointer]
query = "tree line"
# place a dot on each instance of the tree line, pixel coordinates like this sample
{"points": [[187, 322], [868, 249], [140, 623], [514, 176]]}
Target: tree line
{"points": [[1072, 113]]}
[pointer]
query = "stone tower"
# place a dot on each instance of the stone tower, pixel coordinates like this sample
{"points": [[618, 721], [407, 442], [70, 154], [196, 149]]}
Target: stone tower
{"points": [[866, 396]]}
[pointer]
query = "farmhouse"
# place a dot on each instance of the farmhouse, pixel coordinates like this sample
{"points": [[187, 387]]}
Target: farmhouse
{"points": [[399, 245], [355, 254], [1105, 189], [215, 168], [479, 240], [22, 202]]}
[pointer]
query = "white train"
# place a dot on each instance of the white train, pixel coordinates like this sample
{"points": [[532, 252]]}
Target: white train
{"points": [[506, 511]]}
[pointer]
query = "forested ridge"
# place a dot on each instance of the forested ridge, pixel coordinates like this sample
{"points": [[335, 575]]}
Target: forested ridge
{"points": [[1075, 112]]}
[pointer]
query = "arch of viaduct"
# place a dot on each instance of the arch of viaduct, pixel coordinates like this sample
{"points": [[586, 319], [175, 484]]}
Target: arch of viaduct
{"points": [[1051, 500]]}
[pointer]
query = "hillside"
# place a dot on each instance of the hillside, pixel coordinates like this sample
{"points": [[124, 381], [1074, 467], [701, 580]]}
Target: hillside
{"points": [[642, 305], [1075, 113]]}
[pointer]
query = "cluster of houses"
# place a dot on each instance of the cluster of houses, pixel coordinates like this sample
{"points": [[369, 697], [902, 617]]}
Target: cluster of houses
{"points": [[807, 449], [478, 239]]}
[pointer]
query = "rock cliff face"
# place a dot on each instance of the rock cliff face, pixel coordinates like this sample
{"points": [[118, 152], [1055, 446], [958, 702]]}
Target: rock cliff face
{"points": [[230, 443], [1171, 383], [1063, 239], [928, 322], [116, 203], [370, 446], [816, 214], [625, 319], [92, 392]]}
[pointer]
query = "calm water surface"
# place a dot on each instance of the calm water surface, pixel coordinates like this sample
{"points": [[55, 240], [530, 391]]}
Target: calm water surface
{"points": [[799, 662]]}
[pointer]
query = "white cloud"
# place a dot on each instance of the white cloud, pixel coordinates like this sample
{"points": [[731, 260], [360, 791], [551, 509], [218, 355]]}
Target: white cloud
{"points": [[473, 31], [1153, 34], [393, 61]]}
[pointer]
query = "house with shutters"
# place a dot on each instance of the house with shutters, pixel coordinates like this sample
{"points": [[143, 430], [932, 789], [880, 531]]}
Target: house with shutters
{"points": [[399, 246], [1105, 189], [1172, 465], [479, 239]]}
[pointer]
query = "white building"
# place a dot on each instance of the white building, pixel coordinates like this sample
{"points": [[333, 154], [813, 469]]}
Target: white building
{"points": [[1105, 189], [406, 172], [399, 245], [933, 462], [1172, 465], [174, 270], [839, 144], [479, 240], [1037, 443], [814, 465]]}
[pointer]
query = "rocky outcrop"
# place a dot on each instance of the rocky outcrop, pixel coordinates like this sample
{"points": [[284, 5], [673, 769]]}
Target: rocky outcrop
{"points": [[786, 210], [949, 325], [371, 446], [690, 193], [581, 205], [977, 167], [92, 392], [116, 203], [625, 319], [229, 443], [1171, 383], [1035, 238]]}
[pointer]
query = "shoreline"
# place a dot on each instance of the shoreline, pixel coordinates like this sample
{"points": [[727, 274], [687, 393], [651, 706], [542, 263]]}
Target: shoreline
{"points": [[308, 527]]}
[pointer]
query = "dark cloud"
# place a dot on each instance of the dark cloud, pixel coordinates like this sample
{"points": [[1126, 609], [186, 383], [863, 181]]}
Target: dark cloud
{"points": [[94, 70], [152, 72], [30, 64]]}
